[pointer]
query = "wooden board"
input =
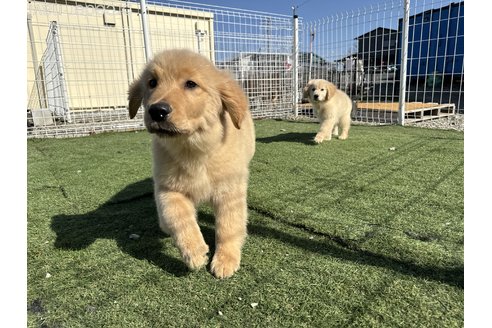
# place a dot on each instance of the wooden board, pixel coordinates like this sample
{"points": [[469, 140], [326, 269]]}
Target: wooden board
{"points": [[411, 106]]}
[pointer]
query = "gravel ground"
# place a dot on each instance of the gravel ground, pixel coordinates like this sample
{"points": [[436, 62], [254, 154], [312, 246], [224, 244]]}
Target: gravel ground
{"points": [[456, 122]]}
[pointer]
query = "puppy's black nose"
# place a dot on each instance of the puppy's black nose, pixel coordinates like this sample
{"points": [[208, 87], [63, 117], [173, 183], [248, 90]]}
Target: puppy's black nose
{"points": [[159, 111], [315, 96]]}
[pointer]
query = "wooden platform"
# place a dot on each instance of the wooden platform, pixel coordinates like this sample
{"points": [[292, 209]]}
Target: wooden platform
{"points": [[394, 106], [414, 111], [382, 112]]}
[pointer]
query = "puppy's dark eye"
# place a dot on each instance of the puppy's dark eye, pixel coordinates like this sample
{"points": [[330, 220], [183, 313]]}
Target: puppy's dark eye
{"points": [[190, 84], [314, 89], [152, 83], [322, 89]]}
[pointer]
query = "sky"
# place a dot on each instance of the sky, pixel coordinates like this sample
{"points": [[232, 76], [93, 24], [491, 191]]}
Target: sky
{"points": [[311, 12], [307, 9]]}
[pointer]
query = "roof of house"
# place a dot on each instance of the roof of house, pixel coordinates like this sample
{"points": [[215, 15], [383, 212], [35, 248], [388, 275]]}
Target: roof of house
{"points": [[378, 31]]}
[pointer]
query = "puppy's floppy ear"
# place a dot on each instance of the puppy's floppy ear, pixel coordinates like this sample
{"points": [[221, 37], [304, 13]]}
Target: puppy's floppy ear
{"points": [[331, 89], [234, 101], [305, 91], [135, 96]]}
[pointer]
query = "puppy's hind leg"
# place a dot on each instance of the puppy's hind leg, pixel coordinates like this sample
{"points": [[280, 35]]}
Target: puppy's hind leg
{"points": [[345, 126], [230, 230], [335, 130], [177, 217]]}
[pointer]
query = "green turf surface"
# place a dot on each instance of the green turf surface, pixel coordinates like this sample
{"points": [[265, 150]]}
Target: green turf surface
{"points": [[366, 232]]}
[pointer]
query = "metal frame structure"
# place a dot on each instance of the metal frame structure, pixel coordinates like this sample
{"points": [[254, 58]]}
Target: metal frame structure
{"points": [[400, 60]]}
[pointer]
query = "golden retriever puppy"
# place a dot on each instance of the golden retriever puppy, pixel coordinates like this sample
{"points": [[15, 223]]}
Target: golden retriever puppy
{"points": [[203, 141], [332, 107]]}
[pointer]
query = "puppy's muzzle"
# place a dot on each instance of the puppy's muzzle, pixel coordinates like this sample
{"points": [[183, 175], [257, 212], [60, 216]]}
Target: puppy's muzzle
{"points": [[316, 97], [160, 111]]}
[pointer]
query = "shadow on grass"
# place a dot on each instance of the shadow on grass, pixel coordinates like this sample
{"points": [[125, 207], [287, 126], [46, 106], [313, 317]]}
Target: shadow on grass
{"points": [[298, 137], [132, 211], [452, 276], [334, 247]]}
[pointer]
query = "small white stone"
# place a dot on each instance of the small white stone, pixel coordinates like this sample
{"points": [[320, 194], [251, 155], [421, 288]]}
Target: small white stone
{"points": [[134, 236], [220, 312], [392, 148], [253, 305], [239, 298], [48, 275]]}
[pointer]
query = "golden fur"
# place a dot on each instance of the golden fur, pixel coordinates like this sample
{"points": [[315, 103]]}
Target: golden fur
{"points": [[332, 107], [201, 152]]}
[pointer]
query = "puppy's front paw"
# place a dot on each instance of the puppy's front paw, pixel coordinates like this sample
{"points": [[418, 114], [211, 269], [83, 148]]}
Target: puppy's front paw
{"points": [[224, 264], [196, 256], [318, 139], [343, 137]]}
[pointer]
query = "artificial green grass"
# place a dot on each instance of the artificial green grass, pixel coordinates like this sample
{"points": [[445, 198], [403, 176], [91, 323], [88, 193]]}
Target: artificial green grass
{"points": [[366, 232]]}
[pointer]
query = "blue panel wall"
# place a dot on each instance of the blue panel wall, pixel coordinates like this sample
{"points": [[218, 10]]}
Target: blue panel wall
{"points": [[436, 41]]}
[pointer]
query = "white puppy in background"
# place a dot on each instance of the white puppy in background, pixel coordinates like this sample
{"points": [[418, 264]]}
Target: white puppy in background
{"points": [[332, 107]]}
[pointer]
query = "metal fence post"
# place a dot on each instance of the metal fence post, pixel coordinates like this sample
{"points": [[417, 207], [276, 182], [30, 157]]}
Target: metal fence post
{"points": [[295, 62], [58, 91], [145, 29], [403, 64], [35, 63]]}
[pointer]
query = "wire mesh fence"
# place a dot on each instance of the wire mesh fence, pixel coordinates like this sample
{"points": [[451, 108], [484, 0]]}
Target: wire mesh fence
{"points": [[361, 52], [83, 55]]}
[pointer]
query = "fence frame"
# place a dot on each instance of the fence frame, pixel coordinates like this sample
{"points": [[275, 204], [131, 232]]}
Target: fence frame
{"points": [[298, 46], [404, 57], [295, 61]]}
